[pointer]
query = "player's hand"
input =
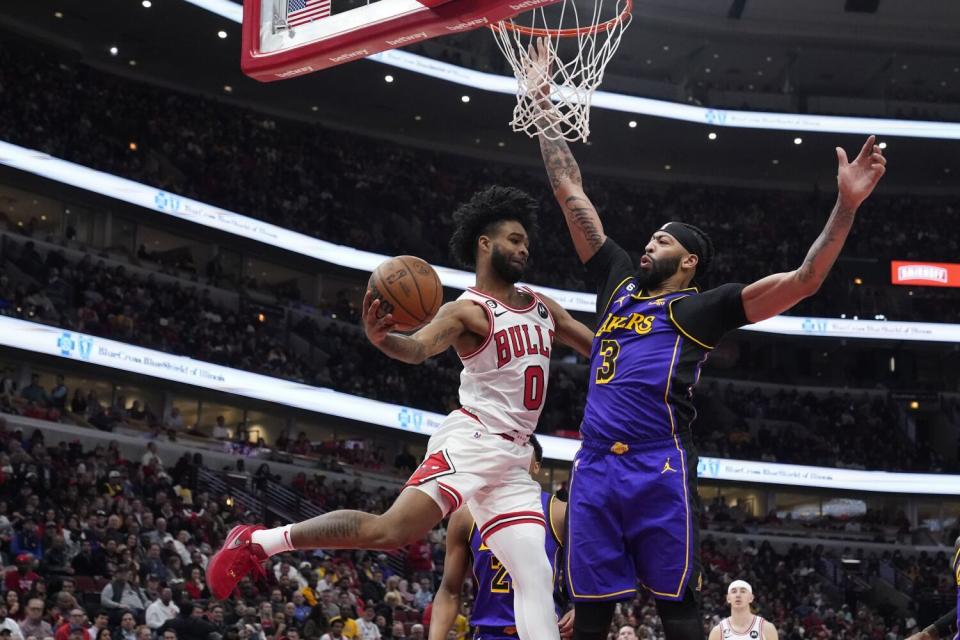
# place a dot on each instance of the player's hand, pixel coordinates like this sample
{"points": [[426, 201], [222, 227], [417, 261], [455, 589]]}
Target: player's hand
{"points": [[538, 64], [566, 625], [374, 326], [856, 180]]}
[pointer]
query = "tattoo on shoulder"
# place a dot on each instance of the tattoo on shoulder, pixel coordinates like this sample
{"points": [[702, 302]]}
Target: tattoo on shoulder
{"points": [[580, 214]]}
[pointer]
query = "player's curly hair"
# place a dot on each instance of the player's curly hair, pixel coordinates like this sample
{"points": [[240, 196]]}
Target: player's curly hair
{"points": [[483, 212]]}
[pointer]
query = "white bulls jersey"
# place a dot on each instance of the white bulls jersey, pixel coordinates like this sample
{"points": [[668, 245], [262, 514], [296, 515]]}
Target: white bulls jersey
{"points": [[753, 632], [504, 382]]}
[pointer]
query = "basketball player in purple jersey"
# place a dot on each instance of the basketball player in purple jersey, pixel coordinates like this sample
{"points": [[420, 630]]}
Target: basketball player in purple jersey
{"points": [[633, 510], [946, 628], [493, 616]]}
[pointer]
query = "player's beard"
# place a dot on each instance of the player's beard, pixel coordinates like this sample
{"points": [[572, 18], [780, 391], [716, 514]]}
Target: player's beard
{"points": [[660, 270], [503, 267]]}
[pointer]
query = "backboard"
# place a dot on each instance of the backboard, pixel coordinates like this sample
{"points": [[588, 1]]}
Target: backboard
{"points": [[289, 38]]}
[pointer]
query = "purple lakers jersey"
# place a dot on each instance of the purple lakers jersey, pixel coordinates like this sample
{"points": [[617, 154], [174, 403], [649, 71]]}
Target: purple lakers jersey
{"points": [[643, 369], [956, 577], [493, 606]]}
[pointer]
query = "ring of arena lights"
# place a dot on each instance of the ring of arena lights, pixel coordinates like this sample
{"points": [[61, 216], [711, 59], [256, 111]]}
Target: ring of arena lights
{"points": [[647, 106], [103, 352], [171, 204]]}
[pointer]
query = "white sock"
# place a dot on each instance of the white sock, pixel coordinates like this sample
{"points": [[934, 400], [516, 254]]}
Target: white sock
{"points": [[521, 550], [274, 541]]}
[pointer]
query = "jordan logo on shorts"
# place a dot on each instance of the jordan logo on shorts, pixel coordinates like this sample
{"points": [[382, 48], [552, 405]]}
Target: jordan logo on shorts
{"points": [[667, 467], [436, 465]]}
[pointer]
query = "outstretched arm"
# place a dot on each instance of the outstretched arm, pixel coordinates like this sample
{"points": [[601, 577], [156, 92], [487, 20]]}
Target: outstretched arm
{"points": [[450, 323], [570, 331], [446, 603], [582, 218], [564, 173], [856, 180]]}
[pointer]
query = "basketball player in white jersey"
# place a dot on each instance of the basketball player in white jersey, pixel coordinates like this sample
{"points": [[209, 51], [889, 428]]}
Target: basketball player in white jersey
{"points": [[480, 456], [742, 623]]}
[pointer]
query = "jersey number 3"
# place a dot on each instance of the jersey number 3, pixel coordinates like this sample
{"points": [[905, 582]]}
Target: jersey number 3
{"points": [[609, 350]]}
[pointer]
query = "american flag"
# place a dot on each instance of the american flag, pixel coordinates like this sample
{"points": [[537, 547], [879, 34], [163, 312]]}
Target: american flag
{"points": [[303, 11]]}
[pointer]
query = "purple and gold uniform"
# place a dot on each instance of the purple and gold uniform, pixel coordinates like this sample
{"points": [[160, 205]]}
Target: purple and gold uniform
{"points": [[493, 615], [633, 511], [956, 576]]}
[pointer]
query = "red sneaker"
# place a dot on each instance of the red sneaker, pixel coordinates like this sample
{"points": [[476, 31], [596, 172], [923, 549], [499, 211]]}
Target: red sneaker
{"points": [[237, 558]]}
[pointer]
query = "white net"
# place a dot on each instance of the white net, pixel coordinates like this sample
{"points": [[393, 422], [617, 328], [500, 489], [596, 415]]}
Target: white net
{"points": [[554, 94]]}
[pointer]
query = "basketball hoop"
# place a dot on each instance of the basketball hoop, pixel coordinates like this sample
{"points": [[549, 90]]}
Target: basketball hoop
{"points": [[577, 53]]}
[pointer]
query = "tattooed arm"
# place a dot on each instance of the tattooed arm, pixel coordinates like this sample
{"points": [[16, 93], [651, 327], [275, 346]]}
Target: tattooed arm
{"points": [[856, 180], [567, 184], [448, 327], [562, 170]]}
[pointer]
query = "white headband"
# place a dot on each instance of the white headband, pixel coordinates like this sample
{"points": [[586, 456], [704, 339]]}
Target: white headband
{"points": [[739, 583]]}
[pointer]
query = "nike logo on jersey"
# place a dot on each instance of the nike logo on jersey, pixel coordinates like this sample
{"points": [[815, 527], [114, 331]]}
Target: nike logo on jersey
{"points": [[497, 315]]}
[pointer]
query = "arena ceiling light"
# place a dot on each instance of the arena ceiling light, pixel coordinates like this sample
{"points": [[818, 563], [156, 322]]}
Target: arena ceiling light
{"points": [[222, 34], [798, 140], [772, 121], [464, 99], [712, 135], [882, 145], [114, 51], [632, 124], [146, 4], [388, 78]]}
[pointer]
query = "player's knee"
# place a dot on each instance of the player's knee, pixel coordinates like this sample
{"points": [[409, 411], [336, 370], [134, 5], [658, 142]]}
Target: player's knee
{"points": [[593, 617], [534, 571]]}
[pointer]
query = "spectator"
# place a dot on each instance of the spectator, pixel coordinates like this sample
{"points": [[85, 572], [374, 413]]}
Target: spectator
{"points": [[196, 586], [128, 627], [162, 609], [336, 630], [367, 627], [56, 559], [22, 578], [316, 624], [59, 395], [101, 622], [173, 421], [73, 623], [34, 624], [301, 608], [120, 594], [220, 431], [151, 457], [35, 393], [9, 624], [424, 596]]}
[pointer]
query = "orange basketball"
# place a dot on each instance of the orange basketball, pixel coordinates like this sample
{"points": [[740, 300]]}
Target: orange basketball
{"points": [[408, 288]]}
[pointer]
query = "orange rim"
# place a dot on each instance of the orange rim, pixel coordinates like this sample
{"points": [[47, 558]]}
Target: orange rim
{"points": [[566, 33]]}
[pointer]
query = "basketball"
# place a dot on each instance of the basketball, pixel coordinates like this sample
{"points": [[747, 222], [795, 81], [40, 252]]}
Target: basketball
{"points": [[408, 288]]}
